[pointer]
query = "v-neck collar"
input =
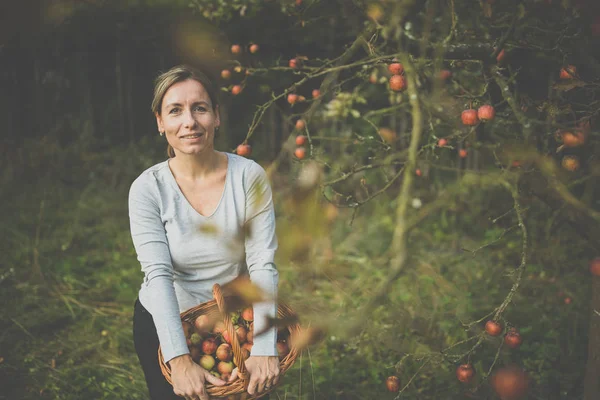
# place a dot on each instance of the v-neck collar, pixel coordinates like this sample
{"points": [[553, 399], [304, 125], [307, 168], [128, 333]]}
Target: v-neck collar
{"points": [[180, 192]]}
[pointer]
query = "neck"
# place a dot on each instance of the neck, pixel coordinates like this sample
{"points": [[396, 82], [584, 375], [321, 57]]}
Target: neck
{"points": [[196, 166]]}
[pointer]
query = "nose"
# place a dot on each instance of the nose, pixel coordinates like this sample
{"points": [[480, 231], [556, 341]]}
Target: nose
{"points": [[188, 120]]}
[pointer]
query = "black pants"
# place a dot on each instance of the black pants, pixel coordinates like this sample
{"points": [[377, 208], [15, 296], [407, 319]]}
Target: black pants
{"points": [[145, 340]]}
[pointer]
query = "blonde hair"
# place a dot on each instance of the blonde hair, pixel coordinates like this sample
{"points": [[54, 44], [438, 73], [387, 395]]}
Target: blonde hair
{"points": [[175, 75]]}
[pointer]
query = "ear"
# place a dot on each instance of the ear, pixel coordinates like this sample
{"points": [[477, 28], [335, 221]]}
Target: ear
{"points": [[159, 122]]}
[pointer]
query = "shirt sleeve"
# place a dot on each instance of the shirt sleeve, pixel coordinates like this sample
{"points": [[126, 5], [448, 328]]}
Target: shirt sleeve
{"points": [[152, 248], [260, 245]]}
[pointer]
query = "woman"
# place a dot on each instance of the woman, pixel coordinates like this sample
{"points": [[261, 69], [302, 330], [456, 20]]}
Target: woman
{"points": [[170, 205]]}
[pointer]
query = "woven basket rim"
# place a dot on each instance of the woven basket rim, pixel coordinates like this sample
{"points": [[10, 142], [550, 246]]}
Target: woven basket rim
{"points": [[217, 305]]}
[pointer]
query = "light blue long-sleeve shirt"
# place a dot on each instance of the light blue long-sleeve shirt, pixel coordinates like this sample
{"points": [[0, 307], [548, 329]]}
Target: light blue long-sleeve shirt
{"points": [[183, 253]]}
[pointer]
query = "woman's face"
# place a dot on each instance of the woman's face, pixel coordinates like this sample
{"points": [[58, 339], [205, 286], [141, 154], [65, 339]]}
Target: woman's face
{"points": [[187, 118]]}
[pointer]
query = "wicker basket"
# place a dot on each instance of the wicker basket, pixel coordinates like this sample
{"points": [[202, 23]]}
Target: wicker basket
{"points": [[237, 389]]}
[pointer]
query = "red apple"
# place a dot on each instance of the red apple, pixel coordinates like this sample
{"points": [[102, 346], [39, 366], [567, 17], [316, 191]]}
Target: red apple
{"points": [[397, 83], [247, 346], [236, 49], [442, 142], [393, 383], [244, 150], [224, 352], [570, 163], [395, 68], [254, 48], [316, 93], [568, 300], [493, 328], [226, 336], [300, 153], [513, 339], [301, 140], [292, 98], [486, 113], [202, 324], [226, 74], [418, 172], [248, 314], [388, 135], [300, 124], [568, 72], [294, 63], [236, 89], [209, 346], [445, 74], [595, 266], [462, 153], [250, 336], [241, 333], [465, 373], [572, 139], [510, 383], [469, 117], [207, 362], [225, 367], [501, 56]]}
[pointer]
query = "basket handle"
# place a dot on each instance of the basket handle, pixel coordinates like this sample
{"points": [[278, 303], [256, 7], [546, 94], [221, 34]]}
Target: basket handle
{"points": [[235, 344]]}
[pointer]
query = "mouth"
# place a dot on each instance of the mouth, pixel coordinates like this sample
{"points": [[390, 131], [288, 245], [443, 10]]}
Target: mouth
{"points": [[192, 136]]}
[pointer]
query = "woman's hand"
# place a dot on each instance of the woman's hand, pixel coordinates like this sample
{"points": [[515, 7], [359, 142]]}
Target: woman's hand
{"points": [[189, 378], [263, 371]]}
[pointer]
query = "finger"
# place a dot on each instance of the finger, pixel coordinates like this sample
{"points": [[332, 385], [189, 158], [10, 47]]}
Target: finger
{"points": [[261, 385], [276, 376], [270, 382], [201, 394], [213, 379], [234, 375], [252, 385]]}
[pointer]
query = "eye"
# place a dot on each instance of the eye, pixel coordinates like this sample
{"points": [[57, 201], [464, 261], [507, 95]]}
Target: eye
{"points": [[200, 108], [174, 110]]}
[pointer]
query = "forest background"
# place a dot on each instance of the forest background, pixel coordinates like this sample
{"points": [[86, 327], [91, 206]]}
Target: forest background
{"points": [[404, 224]]}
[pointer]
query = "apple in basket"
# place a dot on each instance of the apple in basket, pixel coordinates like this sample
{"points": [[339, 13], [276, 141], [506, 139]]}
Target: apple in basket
{"points": [[225, 367], [209, 346], [195, 353], [226, 337], [188, 329], [219, 327], [207, 362], [242, 333], [224, 352], [202, 324], [196, 339], [248, 314]]}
